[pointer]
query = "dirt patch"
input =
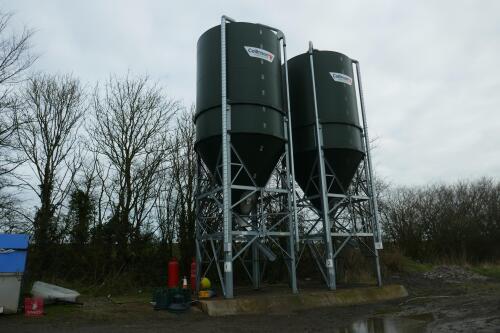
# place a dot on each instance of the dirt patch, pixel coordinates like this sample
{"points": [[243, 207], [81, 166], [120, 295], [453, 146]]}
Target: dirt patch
{"points": [[470, 305]]}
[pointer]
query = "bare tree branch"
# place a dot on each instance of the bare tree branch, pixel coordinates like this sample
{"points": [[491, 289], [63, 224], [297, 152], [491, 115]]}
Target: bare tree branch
{"points": [[47, 120], [132, 117]]}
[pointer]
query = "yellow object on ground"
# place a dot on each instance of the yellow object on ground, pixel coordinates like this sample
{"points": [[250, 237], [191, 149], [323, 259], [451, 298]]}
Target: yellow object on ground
{"points": [[205, 283], [204, 294]]}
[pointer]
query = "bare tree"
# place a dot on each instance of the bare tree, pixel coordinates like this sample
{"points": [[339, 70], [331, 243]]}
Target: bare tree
{"points": [[132, 117], [184, 174], [15, 58], [166, 210], [451, 222], [47, 122]]}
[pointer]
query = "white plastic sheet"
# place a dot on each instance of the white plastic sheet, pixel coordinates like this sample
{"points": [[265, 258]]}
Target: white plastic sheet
{"points": [[52, 293]]}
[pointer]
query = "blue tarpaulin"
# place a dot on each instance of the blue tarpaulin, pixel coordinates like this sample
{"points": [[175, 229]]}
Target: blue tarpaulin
{"points": [[13, 251]]}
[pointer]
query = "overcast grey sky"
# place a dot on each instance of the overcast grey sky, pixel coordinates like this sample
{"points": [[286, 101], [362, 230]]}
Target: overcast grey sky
{"points": [[430, 69]]}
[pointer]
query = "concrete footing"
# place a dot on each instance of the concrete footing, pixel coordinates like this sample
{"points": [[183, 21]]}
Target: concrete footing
{"points": [[282, 303]]}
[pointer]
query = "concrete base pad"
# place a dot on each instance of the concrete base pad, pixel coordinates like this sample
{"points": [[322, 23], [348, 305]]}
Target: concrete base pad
{"points": [[279, 303]]}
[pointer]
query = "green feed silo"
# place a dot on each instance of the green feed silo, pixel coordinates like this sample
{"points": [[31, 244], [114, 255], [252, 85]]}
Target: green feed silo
{"points": [[254, 88], [338, 117], [242, 132]]}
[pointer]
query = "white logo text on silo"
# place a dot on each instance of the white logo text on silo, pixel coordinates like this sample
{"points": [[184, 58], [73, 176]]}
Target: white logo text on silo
{"points": [[339, 77], [259, 53]]}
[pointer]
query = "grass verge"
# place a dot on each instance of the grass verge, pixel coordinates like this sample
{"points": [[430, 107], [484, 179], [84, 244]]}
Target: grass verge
{"points": [[490, 270], [393, 261]]}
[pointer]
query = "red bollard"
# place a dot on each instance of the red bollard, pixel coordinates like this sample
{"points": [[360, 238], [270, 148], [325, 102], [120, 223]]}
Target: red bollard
{"points": [[193, 275], [173, 273]]}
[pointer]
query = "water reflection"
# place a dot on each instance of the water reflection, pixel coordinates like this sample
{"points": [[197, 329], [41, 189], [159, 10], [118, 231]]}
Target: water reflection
{"points": [[385, 325]]}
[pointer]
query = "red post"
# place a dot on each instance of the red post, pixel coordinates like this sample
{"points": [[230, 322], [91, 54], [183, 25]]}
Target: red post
{"points": [[193, 275], [173, 273]]}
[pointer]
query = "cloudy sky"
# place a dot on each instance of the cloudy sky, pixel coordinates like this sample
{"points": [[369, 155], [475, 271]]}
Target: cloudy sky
{"points": [[430, 69]]}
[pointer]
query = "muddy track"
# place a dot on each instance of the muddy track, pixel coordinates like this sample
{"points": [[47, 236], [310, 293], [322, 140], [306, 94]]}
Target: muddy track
{"points": [[436, 305]]}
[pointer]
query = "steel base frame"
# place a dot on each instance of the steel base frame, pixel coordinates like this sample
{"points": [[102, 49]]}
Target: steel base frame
{"points": [[258, 237], [351, 222]]}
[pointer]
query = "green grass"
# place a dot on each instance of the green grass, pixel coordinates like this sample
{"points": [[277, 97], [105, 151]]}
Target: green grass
{"points": [[393, 261], [489, 270], [411, 266], [61, 309]]}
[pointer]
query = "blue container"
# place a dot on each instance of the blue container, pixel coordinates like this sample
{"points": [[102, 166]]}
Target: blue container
{"points": [[13, 252]]}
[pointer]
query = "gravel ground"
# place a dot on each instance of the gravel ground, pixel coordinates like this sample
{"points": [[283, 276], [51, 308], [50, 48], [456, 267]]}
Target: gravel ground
{"points": [[455, 274]]}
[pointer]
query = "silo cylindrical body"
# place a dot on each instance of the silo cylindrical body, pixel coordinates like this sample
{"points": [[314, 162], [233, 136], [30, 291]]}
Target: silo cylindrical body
{"points": [[338, 117], [255, 95]]}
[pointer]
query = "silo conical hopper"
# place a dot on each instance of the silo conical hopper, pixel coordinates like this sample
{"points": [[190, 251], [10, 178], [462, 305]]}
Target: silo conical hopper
{"points": [[254, 90], [338, 115]]}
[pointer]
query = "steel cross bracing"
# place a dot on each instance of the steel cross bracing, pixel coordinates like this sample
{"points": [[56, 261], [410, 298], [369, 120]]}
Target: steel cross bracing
{"points": [[224, 236], [347, 218], [351, 220], [257, 238]]}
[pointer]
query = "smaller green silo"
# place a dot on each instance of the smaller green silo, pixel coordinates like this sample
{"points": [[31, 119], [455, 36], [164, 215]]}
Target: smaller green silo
{"points": [[338, 116]]}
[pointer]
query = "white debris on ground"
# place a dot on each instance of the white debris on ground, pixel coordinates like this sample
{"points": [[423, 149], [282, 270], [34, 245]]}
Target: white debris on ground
{"points": [[52, 293], [453, 274]]}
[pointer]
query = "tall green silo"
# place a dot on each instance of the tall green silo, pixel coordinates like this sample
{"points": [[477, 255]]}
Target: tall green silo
{"points": [[254, 87], [338, 116], [242, 213]]}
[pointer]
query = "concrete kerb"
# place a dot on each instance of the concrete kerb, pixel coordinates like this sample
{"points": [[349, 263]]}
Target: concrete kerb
{"points": [[283, 303]]}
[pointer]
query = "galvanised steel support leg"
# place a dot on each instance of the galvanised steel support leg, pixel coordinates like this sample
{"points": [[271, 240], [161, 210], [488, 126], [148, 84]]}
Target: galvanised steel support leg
{"points": [[330, 269], [292, 223], [226, 168], [255, 256], [289, 151], [197, 227], [293, 227], [377, 237], [255, 265]]}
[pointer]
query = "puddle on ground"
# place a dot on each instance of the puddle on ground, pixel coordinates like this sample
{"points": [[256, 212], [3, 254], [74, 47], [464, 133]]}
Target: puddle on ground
{"points": [[414, 324]]}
